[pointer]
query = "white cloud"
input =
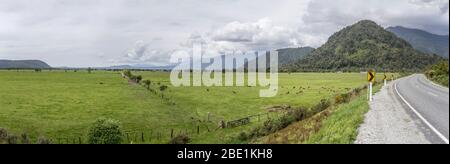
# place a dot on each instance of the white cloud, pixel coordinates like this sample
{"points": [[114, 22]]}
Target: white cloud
{"points": [[142, 52], [98, 32], [262, 34]]}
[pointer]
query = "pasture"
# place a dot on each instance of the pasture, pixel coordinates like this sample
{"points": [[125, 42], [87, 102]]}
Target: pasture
{"points": [[62, 105]]}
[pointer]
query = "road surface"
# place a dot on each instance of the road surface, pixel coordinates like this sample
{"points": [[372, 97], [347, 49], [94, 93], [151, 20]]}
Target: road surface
{"points": [[389, 122], [428, 102]]}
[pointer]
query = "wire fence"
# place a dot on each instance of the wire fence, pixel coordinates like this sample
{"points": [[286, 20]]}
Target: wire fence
{"points": [[165, 135]]}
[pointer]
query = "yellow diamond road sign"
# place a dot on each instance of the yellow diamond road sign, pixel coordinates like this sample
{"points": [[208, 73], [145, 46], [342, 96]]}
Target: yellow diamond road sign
{"points": [[371, 76]]}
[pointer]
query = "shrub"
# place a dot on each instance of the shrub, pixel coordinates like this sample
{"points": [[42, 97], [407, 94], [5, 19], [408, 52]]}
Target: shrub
{"points": [[357, 91], [12, 139], [321, 106], [267, 128], [242, 136], [127, 73], [439, 73], [24, 139], [342, 98], [105, 131], [180, 139], [300, 114], [44, 141], [162, 88], [283, 122], [3, 135], [138, 79], [147, 83]]}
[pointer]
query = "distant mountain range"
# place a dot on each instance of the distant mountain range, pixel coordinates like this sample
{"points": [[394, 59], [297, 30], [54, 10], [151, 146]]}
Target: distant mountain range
{"points": [[291, 55], [361, 46], [423, 41], [355, 48], [23, 64], [286, 56], [138, 66]]}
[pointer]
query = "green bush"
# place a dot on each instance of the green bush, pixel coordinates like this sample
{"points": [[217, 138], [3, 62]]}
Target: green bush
{"points": [[3, 135], [243, 136], [138, 78], [342, 98], [105, 131], [180, 139], [357, 91], [25, 139], [12, 139], [44, 141], [162, 88], [439, 73], [147, 83], [321, 106], [267, 128], [283, 122], [127, 73], [299, 114]]}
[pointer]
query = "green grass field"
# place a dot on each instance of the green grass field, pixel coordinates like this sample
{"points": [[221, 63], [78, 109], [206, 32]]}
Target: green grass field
{"points": [[62, 105]]}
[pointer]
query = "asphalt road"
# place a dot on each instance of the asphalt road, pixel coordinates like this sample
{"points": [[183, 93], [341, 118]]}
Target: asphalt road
{"points": [[427, 101]]}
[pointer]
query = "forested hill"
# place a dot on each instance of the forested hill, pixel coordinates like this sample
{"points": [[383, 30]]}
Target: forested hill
{"points": [[288, 56], [361, 46]]}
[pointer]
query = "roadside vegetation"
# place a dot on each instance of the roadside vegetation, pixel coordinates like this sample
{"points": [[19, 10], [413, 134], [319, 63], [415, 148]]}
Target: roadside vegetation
{"points": [[337, 124], [439, 73], [11, 138]]}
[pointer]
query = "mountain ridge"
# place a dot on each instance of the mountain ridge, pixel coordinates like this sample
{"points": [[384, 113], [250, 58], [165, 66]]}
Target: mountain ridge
{"points": [[423, 41], [23, 64]]}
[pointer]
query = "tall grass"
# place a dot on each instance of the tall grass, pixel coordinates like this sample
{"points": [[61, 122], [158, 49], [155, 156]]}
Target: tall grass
{"points": [[342, 126]]}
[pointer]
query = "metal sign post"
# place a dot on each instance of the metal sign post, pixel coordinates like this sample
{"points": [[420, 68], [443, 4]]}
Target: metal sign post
{"points": [[371, 79], [370, 91]]}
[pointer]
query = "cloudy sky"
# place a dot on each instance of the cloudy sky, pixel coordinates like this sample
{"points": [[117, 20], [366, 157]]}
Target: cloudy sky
{"points": [[82, 33]]}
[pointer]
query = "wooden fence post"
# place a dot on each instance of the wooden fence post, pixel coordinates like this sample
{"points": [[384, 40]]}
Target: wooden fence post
{"points": [[151, 133], [209, 116], [198, 129]]}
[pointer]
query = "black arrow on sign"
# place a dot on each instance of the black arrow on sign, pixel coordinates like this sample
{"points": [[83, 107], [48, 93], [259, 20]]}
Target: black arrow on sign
{"points": [[371, 76]]}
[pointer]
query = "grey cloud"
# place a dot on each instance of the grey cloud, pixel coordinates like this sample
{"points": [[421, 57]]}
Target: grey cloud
{"points": [[424, 14], [75, 32], [259, 35], [142, 52]]}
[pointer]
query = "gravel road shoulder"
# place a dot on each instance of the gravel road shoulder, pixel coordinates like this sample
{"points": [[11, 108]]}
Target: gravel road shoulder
{"points": [[387, 122]]}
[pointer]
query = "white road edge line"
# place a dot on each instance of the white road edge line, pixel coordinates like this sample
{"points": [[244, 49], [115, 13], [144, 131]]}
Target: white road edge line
{"points": [[421, 117], [432, 94]]}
